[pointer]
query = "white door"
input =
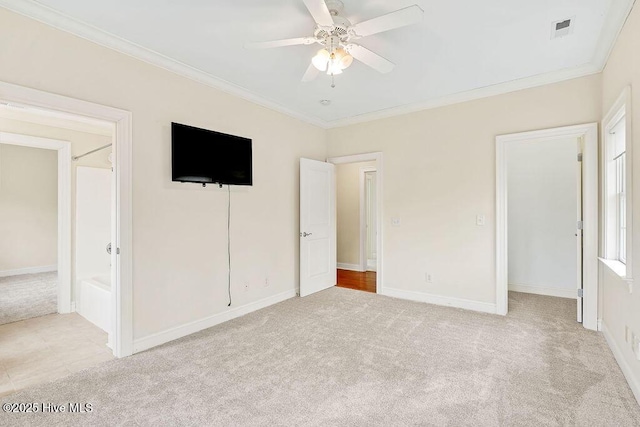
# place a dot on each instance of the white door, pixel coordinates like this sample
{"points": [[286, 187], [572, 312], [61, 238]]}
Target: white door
{"points": [[317, 226], [579, 229]]}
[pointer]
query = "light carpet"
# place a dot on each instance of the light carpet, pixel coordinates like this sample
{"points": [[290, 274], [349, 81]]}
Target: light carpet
{"points": [[343, 357], [28, 295]]}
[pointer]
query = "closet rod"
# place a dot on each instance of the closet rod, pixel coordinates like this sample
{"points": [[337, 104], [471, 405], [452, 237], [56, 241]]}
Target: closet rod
{"points": [[74, 158]]}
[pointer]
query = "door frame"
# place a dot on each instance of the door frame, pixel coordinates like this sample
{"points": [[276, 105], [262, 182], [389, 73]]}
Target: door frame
{"points": [[378, 158], [364, 265], [589, 133], [63, 149], [62, 106]]}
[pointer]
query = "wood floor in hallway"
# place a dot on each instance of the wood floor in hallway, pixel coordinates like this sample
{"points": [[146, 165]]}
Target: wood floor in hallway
{"points": [[360, 281]]}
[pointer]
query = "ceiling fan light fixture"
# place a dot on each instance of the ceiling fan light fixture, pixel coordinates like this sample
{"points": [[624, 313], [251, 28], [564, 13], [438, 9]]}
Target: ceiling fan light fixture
{"points": [[341, 58], [334, 69], [321, 60]]}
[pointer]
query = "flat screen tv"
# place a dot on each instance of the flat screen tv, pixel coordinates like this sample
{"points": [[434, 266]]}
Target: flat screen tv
{"points": [[207, 157]]}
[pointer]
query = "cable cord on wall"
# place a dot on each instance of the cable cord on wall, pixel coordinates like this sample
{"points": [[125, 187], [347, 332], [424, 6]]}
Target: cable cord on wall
{"points": [[229, 239]]}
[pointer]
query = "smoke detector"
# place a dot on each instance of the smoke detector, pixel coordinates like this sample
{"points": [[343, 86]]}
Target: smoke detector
{"points": [[562, 28]]}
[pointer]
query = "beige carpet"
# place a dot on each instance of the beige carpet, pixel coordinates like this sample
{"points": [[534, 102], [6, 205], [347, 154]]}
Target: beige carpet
{"points": [[28, 295], [344, 357]]}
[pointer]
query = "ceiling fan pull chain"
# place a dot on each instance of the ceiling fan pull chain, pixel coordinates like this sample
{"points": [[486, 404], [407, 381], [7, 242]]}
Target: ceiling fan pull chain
{"points": [[333, 81]]}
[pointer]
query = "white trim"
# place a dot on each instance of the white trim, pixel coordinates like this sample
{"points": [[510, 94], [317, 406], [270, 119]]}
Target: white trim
{"points": [[66, 23], [56, 19], [616, 267], [350, 267], [589, 132], [363, 216], [174, 333], [483, 307], [122, 289], [618, 13], [471, 95], [55, 119], [544, 290], [634, 383], [621, 107], [378, 158], [29, 270], [64, 207]]}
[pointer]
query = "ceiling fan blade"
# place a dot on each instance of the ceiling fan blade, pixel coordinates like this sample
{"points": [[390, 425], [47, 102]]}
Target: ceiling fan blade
{"points": [[311, 74], [400, 18], [280, 43], [371, 59], [320, 12]]}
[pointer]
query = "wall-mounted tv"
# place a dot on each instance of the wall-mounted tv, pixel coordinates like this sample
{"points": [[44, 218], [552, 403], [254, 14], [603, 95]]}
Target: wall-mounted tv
{"points": [[207, 157]]}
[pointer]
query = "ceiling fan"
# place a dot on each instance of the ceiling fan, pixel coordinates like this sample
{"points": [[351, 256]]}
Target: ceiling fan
{"points": [[336, 34]]}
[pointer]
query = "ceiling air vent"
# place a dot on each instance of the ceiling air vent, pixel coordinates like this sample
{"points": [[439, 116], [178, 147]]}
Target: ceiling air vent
{"points": [[562, 28]]}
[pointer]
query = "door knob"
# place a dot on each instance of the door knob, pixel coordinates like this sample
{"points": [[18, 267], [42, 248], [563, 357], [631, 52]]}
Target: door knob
{"points": [[109, 248], [305, 234]]}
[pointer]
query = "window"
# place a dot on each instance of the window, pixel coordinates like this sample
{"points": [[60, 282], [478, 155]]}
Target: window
{"points": [[621, 208], [616, 187]]}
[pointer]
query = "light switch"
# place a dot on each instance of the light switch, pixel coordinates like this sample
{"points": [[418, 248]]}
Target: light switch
{"points": [[395, 222], [480, 220]]}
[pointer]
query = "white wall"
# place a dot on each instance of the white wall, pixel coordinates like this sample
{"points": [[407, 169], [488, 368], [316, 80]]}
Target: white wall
{"points": [[93, 222], [439, 173], [348, 211], [542, 214], [179, 230], [28, 208], [619, 307]]}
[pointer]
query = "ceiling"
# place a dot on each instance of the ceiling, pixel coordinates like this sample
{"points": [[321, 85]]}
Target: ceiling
{"points": [[462, 50]]}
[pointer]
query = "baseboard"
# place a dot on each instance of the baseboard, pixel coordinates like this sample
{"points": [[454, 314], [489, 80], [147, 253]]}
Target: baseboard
{"points": [[540, 290], [174, 333], [466, 304], [350, 267], [29, 270], [371, 265], [634, 383]]}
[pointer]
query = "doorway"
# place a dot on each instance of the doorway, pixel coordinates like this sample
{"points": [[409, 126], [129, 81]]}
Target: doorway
{"points": [[358, 239], [33, 225], [356, 225], [50, 106], [547, 220]]}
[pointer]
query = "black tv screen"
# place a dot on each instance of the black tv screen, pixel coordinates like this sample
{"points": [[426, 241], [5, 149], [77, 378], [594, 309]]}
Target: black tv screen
{"points": [[208, 157]]}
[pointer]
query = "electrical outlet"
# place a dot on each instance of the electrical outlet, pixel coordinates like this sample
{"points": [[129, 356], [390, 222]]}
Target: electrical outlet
{"points": [[480, 220], [396, 222], [428, 278]]}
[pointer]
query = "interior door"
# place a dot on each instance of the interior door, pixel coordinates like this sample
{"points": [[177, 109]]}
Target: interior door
{"points": [[579, 230], [317, 226]]}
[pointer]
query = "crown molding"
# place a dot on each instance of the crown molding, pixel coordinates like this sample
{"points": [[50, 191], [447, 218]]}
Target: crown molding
{"points": [[470, 95], [78, 28], [614, 23], [613, 26]]}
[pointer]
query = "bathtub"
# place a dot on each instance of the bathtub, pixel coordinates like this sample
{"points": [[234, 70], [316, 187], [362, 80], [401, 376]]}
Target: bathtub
{"points": [[95, 301]]}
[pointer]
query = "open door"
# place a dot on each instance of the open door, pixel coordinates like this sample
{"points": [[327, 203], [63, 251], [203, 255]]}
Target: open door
{"points": [[317, 226], [579, 229]]}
